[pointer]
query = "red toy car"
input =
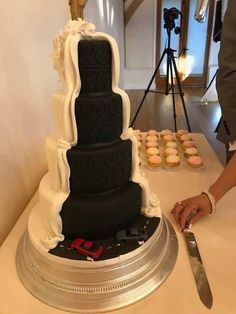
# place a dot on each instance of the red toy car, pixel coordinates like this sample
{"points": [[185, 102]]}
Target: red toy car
{"points": [[87, 248]]}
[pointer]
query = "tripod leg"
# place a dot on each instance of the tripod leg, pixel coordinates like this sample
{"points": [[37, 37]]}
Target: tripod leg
{"points": [[148, 88], [173, 93], [167, 89], [180, 91], [168, 68], [214, 76]]}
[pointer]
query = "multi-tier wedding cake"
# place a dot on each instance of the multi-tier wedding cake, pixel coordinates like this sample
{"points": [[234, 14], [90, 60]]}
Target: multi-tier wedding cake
{"points": [[93, 189]]}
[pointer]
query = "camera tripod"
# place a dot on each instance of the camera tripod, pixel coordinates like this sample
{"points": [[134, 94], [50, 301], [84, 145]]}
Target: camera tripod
{"points": [[171, 67]]}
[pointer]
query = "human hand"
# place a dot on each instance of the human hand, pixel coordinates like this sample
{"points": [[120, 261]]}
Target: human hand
{"points": [[191, 210]]}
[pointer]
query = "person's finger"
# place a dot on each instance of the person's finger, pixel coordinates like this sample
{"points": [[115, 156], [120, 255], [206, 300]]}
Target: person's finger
{"points": [[177, 210], [183, 217], [177, 205], [196, 217]]}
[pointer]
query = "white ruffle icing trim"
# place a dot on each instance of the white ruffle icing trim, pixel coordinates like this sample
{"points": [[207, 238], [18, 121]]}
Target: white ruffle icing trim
{"points": [[73, 27], [150, 202]]}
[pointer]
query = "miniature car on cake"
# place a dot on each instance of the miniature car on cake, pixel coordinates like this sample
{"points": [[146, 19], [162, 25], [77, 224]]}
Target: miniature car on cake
{"points": [[131, 234], [87, 248]]}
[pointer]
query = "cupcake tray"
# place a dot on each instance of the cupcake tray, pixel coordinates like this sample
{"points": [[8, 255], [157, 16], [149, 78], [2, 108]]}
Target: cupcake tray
{"points": [[161, 146]]}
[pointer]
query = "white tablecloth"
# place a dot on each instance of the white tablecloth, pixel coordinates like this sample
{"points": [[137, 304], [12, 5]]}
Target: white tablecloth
{"points": [[216, 237]]}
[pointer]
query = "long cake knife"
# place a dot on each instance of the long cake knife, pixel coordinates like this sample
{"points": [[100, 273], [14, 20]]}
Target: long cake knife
{"points": [[199, 273]]}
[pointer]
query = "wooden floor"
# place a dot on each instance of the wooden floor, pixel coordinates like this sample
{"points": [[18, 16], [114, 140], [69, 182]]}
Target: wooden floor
{"points": [[157, 113]]}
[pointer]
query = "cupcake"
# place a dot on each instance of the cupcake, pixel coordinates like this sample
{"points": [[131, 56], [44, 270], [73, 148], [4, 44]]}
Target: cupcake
{"points": [[170, 151], [185, 137], [195, 161], [188, 144], [168, 138], [165, 132], [191, 151], [172, 161], [181, 132], [152, 138], [154, 161], [171, 144], [151, 144], [152, 151], [152, 132]]}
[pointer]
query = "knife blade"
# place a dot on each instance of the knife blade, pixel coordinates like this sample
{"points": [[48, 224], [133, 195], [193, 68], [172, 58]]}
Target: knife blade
{"points": [[198, 269]]}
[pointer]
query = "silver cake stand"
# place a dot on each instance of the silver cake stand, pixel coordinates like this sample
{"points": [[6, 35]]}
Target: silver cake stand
{"points": [[101, 286]]}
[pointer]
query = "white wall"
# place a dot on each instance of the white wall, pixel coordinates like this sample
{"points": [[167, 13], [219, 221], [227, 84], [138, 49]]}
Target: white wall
{"points": [[27, 81], [140, 43]]}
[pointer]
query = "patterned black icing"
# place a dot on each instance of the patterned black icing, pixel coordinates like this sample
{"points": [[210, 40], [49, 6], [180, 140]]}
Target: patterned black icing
{"points": [[98, 110], [102, 200], [98, 118], [94, 57], [101, 215], [100, 169]]}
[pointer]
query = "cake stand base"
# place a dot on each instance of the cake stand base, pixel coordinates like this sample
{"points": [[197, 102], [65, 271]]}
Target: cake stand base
{"points": [[101, 286]]}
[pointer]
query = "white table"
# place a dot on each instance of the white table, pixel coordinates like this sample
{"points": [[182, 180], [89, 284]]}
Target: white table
{"points": [[216, 238]]}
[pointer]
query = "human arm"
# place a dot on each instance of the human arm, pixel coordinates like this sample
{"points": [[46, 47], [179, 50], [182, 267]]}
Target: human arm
{"points": [[226, 180], [194, 208]]}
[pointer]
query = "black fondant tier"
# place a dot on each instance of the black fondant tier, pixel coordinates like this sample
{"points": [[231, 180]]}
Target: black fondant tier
{"points": [[102, 200], [98, 169], [94, 57], [101, 215], [98, 119]]}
